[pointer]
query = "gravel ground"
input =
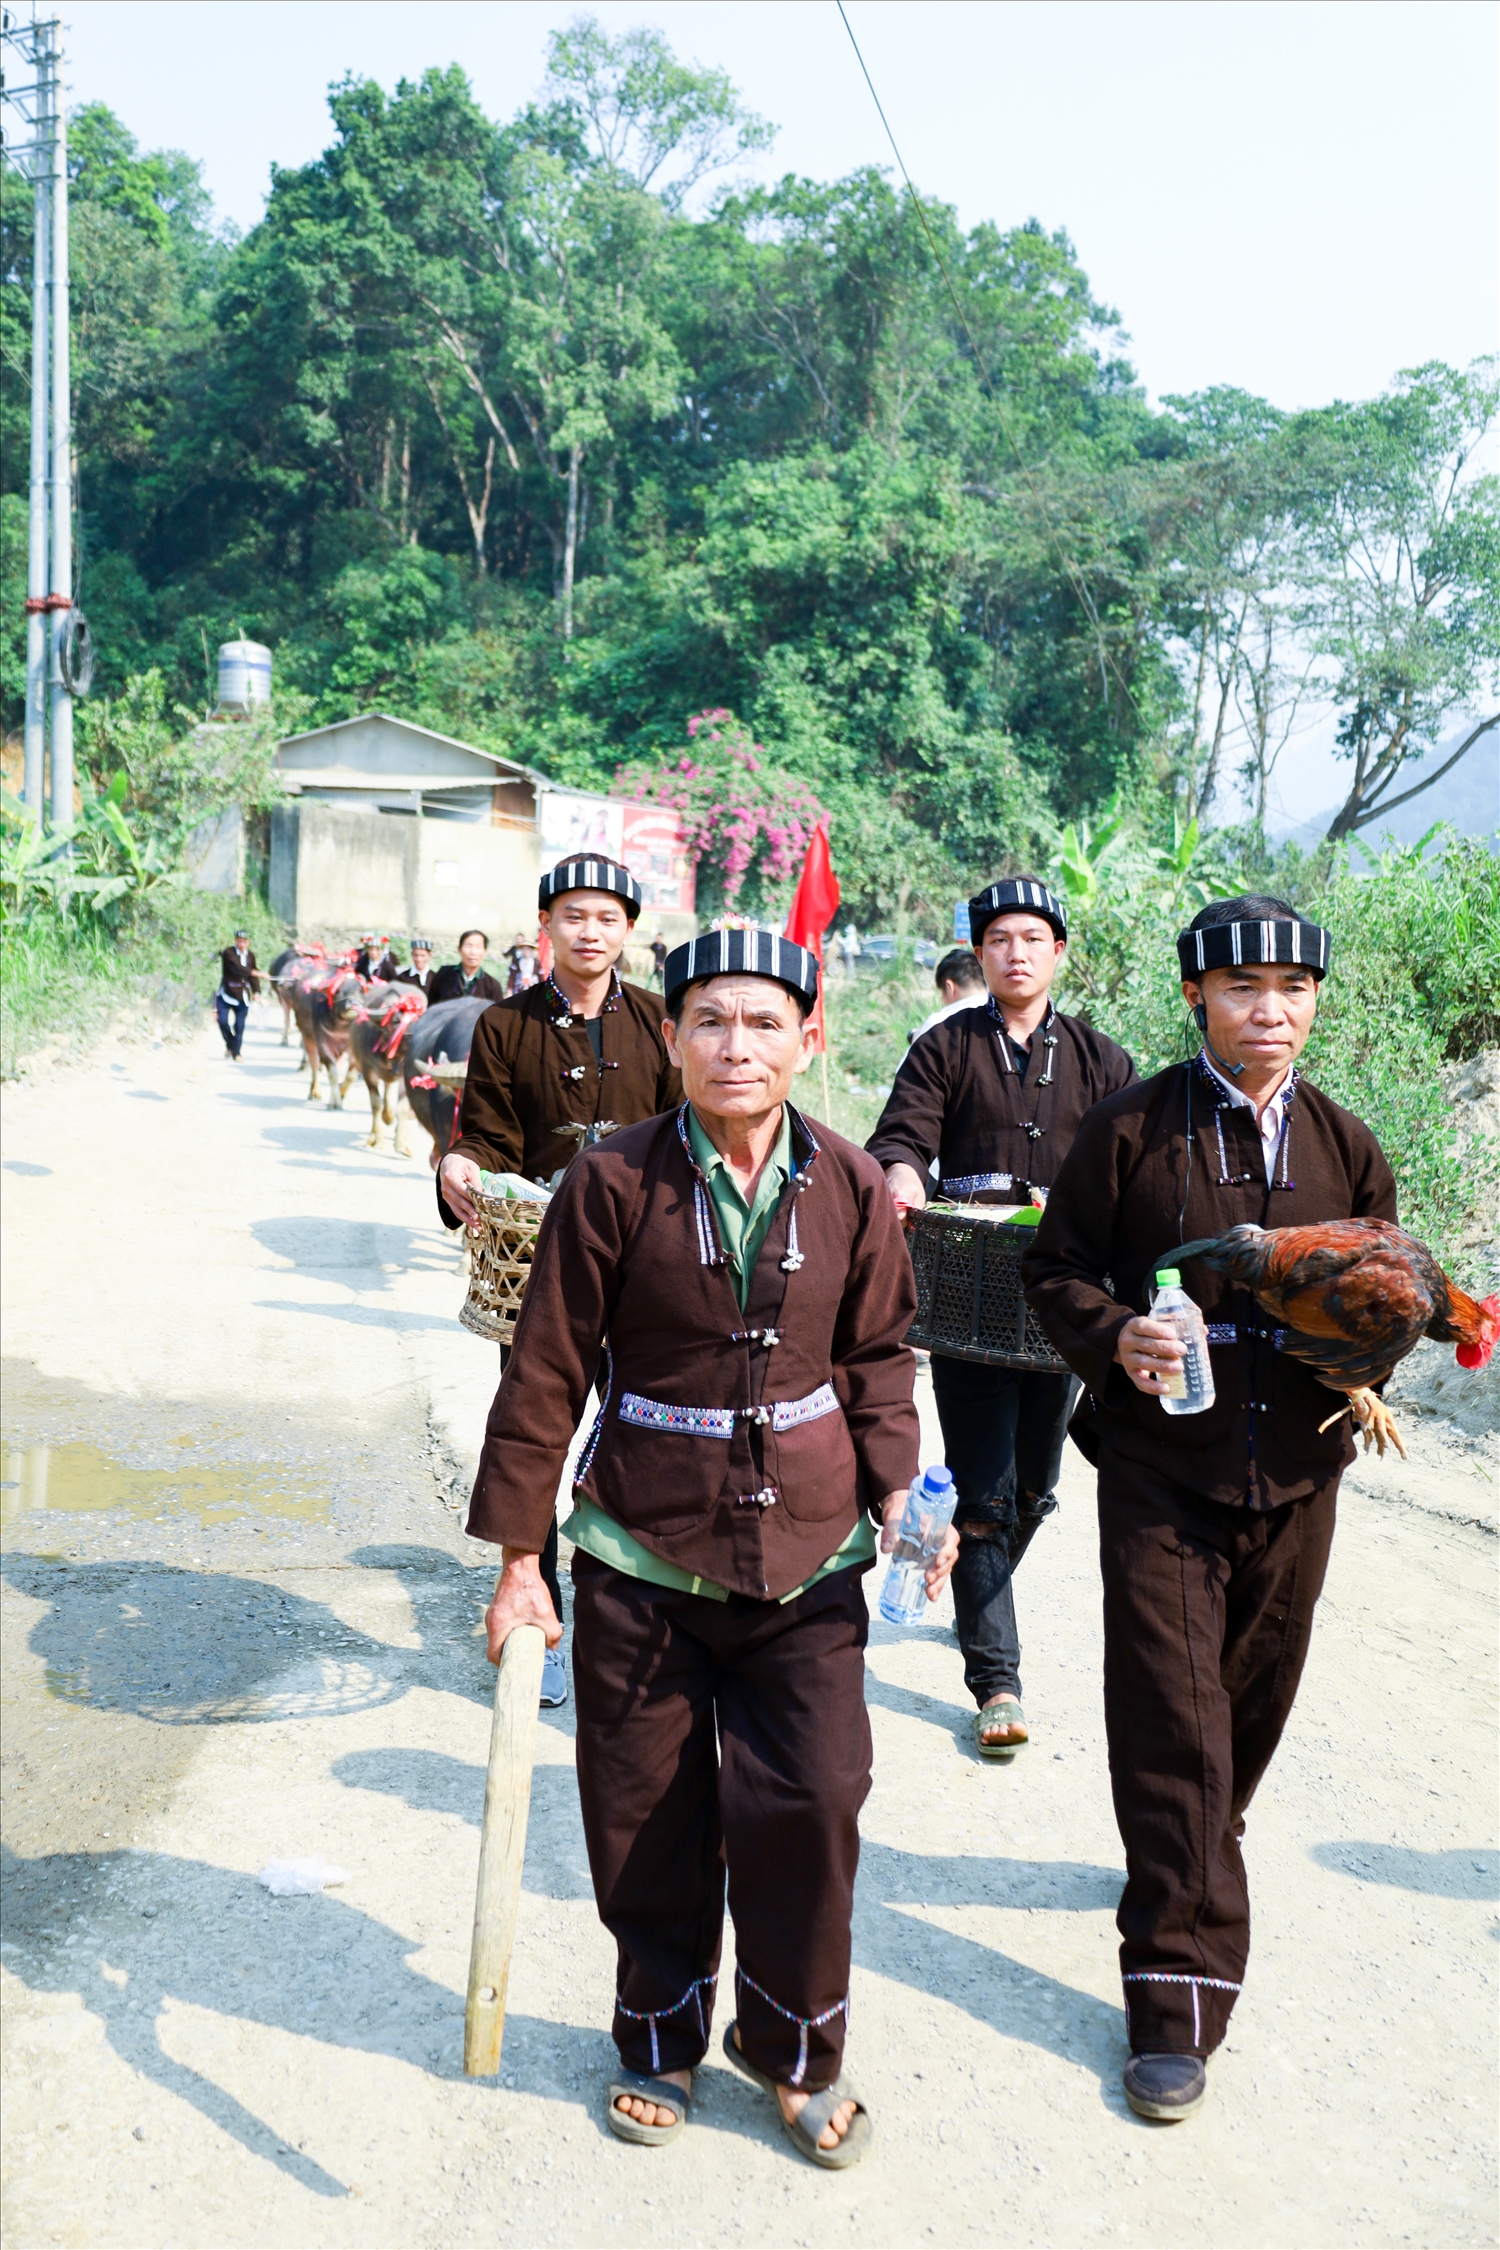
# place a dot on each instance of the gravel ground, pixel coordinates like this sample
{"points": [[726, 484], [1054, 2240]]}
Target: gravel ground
{"points": [[240, 1623]]}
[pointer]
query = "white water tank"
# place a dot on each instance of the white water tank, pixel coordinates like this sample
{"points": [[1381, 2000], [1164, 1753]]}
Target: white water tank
{"points": [[244, 677]]}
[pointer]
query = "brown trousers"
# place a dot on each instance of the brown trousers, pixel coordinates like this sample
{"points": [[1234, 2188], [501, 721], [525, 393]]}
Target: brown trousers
{"points": [[1208, 1614], [712, 1736]]}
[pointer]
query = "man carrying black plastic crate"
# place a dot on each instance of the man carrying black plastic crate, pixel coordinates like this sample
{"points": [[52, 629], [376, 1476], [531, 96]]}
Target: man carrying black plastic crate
{"points": [[995, 1095]]}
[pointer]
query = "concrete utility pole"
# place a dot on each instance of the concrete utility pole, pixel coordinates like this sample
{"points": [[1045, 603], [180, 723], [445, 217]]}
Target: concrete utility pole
{"points": [[41, 152], [60, 593], [34, 787]]}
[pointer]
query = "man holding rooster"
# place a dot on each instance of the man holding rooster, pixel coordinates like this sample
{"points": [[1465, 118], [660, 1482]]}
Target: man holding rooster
{"points": [[1215, 1527]]}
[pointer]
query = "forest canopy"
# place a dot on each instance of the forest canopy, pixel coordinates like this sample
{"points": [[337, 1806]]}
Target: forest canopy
{"points": [[525, 430]]}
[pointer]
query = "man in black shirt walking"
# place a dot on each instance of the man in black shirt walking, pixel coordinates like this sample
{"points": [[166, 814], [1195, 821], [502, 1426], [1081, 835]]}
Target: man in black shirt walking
{"points": [[995, 1094], [238, 978]]}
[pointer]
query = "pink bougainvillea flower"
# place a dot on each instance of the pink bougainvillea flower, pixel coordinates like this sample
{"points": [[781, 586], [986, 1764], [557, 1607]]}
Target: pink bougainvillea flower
{"points": [[740, 815]]}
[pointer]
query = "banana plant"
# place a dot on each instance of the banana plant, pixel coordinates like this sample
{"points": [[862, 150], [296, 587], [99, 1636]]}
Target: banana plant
{"points": [[80, 864], [38, 868], [147, 868], [1085, 856]]}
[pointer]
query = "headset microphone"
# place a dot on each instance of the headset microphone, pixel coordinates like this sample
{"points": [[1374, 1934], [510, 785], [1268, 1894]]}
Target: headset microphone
{"points": [[1200, 1017]]}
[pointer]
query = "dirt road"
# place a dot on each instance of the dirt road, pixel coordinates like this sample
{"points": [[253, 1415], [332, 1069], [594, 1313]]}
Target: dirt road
{"points": [[241, 1623]]}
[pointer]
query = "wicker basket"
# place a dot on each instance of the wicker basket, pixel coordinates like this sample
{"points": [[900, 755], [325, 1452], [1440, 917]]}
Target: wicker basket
{"points": [[970, 1304], [499, 1264]]}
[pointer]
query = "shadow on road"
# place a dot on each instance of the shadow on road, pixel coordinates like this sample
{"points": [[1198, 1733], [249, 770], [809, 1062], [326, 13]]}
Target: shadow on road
{"points": [[986, 1984], [203, 1648], [361, 1316], [1472, 1873], [170, 1929], [370, 1246]]}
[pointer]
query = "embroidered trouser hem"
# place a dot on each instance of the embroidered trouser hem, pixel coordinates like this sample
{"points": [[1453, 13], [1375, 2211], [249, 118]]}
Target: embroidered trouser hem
{"points": [[1208, 1614], [723, 1750]]}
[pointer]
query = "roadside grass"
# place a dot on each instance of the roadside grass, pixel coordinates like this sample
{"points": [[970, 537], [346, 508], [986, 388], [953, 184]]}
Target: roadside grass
{"points": [[1416, 969], [64, 982], [869, 1015]]}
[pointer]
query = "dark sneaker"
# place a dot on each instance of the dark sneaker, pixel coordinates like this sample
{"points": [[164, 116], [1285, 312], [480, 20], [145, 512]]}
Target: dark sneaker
{"points": [[1166, 2086]]}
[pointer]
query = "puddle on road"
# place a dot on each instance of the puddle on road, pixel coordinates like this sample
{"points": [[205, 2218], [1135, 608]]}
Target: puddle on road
{"points": [[82, 1479]]}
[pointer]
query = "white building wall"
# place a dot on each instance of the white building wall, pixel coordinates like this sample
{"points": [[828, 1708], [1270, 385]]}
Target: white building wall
{"points": [[335, 872]]}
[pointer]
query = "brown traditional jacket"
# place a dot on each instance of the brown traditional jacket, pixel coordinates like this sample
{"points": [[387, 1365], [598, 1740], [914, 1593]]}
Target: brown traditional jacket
{"points": [[739, 1445], [238, 979], [959, 1097], [1114, 1214], [448, 984], [532, 1068]]}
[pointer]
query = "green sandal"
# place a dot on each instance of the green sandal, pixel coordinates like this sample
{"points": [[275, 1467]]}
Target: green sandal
{"points": [[991, 1715], [811, 2120], [658, 2090]]}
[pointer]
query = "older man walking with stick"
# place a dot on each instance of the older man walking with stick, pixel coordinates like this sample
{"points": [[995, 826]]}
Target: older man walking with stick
{"points": [[743, 1270]]}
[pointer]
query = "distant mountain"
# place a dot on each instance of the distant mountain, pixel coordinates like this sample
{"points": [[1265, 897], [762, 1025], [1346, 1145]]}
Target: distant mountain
{"points": [[1468, 798]]}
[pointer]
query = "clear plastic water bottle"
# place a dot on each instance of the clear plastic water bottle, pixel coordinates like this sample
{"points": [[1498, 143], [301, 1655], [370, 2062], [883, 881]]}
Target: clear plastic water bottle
{"points": [[1191, 1388], [924, 1526]]}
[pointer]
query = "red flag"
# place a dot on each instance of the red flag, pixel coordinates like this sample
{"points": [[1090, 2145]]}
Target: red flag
{"points": [[813, 908]]}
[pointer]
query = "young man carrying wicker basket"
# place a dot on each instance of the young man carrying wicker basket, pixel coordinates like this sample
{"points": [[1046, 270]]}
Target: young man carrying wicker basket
{"points": [[996, 1094], [744, 1273], [562, 1063]]}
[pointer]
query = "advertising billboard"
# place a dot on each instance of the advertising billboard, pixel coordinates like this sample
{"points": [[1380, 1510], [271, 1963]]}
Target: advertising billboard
{"points": [[654, 848], [571, 823], [648, 839]]}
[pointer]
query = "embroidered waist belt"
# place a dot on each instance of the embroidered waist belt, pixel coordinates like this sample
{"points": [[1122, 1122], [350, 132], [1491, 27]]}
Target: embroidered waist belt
{"points": [[1229, 1332], [719, 1421], [977, 1183]]}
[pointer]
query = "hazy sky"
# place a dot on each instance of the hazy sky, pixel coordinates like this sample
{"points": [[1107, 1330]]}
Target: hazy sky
{"points": [[1293, 196]]}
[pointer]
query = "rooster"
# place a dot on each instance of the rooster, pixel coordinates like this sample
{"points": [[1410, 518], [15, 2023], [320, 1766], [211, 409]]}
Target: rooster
{"points": [[1356, 1295]]}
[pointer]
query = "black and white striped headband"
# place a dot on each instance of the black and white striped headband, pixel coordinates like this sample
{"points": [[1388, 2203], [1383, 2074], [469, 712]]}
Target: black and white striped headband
{"points": [[590, 875], [1232, 945], [750, 953], [1016, 895]]}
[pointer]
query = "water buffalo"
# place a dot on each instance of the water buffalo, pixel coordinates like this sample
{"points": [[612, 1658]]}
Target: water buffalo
{"points": [[443, 1035], [324, 1005], [294, 961], [377, 1035]]}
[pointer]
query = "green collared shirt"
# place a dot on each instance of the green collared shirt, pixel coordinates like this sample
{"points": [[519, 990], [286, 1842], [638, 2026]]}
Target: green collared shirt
{"points": [[742, 1226], [742, 1230], [609, 1542]]}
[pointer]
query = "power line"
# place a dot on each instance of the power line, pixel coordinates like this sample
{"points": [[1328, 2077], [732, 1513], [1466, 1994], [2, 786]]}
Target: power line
{"points": [[1085, 601]]}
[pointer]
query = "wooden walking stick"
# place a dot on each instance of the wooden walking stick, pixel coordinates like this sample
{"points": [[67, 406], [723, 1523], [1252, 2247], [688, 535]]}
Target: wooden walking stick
{"points": [[502, 1844]]}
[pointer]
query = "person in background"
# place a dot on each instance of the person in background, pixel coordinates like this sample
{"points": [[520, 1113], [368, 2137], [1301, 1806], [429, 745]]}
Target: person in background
{"points": [[658, 957], [521, 955], [238, 978], [996, 1094], [849, 948], [420, 971], [960, 983], [375, 960], [467, 978], [567, 1061]]}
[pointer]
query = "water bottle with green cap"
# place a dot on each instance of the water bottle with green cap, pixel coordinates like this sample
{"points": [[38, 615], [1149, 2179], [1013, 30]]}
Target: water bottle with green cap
{"points": [[1190, 1388]]}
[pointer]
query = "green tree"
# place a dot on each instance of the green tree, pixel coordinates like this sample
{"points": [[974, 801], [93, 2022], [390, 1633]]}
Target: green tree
{"points": [[1401, 555]]}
